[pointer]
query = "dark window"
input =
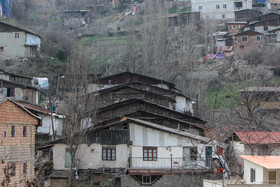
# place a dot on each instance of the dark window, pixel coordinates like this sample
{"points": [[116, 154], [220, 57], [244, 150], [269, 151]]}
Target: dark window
{"points": [[253, 175], [24, 168], [258, 38], [1, 49], [108, 153], [13, 169], [208, 156], [265, 28], [217, 6], [193, 151], [17, 35], [224, 6], [245, 39], [13, 131], [5, 134], [10, 92], [149, 153], [200, 7], [252, 28], [24, 131], [146, 179], [223, 16]]}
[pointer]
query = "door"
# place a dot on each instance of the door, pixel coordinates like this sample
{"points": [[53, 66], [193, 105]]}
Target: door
{"points": [[208, 156], [272, 177], [186, 157]]}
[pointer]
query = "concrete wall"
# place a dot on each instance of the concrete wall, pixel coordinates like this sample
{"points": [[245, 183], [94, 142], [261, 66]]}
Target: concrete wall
{"points": [[13, 47], [247, 170], [47, 125], [90, 157], [183, 105], [209, 10]]}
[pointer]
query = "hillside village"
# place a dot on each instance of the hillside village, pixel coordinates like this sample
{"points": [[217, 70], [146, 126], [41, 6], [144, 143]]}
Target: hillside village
{"points": [[123, 93]]}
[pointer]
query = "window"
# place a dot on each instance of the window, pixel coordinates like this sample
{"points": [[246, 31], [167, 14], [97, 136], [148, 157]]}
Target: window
{"points": [[245, 39], [265, 28], [5, 134], [193, 151], [1, 49], [13, 131], [149, 153], [263, 150], [223, 16], [200, 7], [13, 169], [224, 6], [217, 6], [24, 168], [68, 158], [108, 153], [233, 27], [146, 179], [258, 38], [253, 175], [10, 92], [24, 131], [252, 27], [272, 177], [16, 35], [208, 156]]}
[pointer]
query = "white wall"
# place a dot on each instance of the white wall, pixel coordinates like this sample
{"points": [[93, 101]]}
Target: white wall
{"points": [[47, 125], [182, 104], [209, 10], [90, 157], [13, 47], [259, 172]]}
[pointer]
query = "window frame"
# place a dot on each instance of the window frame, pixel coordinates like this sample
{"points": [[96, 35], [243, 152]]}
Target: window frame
{"points": [[149, 179], [243, 37], [154, 152], [109, 157], [258, 38], [24, 168], [13, 131], [24, 131], [252, 175], [17, 35]]}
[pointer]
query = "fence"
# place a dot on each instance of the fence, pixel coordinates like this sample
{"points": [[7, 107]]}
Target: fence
{"points": [[168, 163]]}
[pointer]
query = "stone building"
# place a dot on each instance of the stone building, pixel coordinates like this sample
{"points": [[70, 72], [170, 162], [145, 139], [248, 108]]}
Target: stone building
{"points": [[17, 143]]}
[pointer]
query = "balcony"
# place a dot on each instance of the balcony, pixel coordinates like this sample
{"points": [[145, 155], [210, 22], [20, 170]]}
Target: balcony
{"points": [[137, 163]]}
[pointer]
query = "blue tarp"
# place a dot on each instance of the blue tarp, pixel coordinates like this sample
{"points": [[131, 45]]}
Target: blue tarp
{"points": [[7, 7], [261, 1]]}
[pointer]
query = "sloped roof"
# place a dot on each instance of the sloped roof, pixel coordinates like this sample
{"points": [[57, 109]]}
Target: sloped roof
{"points": [[256, 137], [116, 78], [22, 107], [247, 31], [269, 162], [20, 28], [32, 107]]}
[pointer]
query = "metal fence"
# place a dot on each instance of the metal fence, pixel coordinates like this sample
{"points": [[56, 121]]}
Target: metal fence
{"points": [[168, 163]]}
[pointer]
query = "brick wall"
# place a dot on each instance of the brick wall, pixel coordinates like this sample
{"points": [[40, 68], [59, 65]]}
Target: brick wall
{"points": [[17, 143]]}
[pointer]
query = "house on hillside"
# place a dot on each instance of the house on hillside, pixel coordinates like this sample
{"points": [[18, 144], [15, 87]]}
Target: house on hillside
{"points": [[17, 143], [148, 151], [261, 170], [266, 98], [16, 41], [235, 26], [246, 15], [248, 40], [219, 10]]}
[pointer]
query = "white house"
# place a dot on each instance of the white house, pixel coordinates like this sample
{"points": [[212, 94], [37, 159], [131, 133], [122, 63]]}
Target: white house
{"points": [[18, 42], [138, 146], [219, 9], [261, 169]]}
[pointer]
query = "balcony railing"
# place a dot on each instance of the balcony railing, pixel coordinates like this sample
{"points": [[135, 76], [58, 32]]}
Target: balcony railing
{"points": [[169, 163]]}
